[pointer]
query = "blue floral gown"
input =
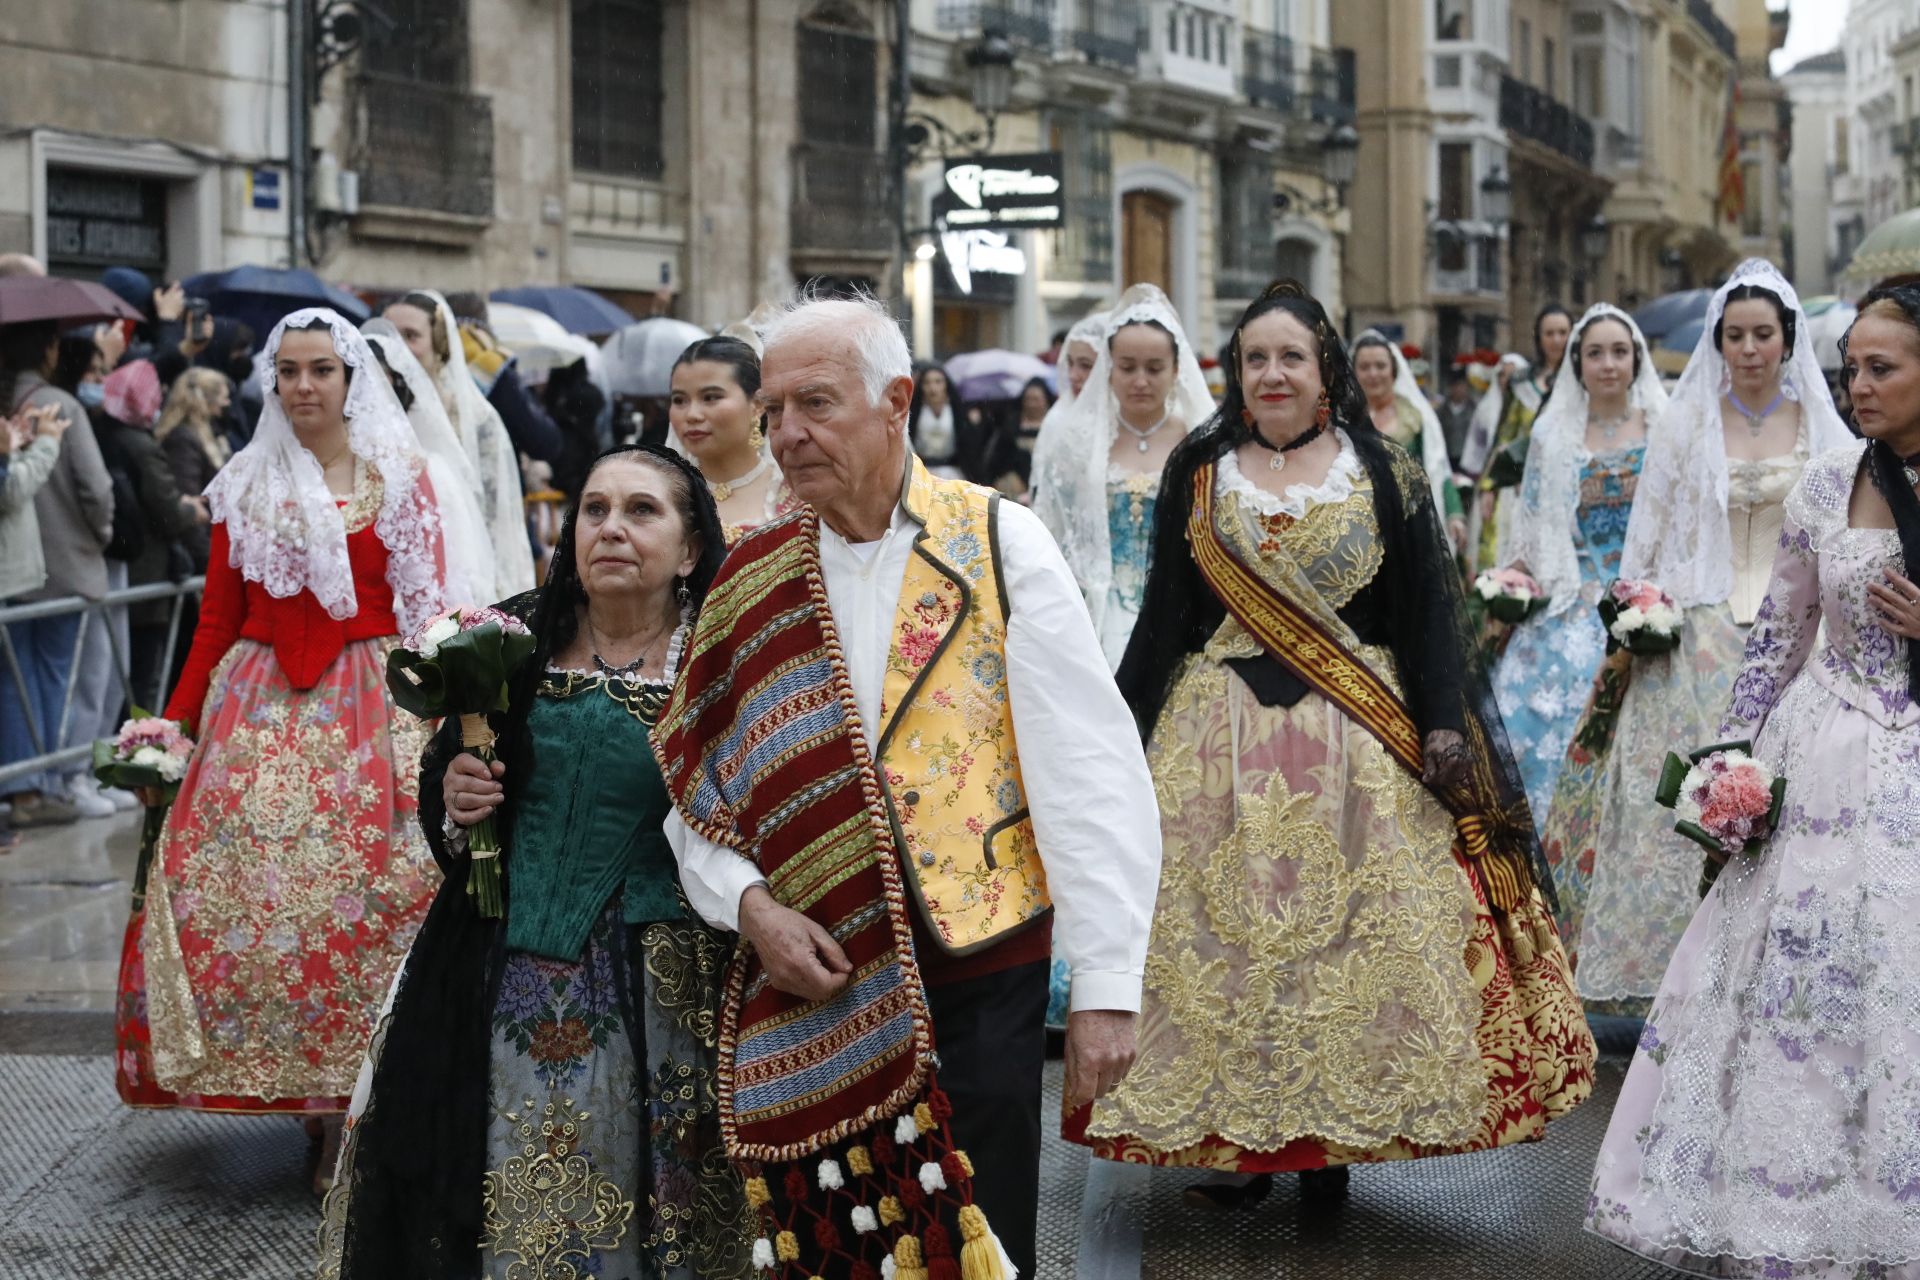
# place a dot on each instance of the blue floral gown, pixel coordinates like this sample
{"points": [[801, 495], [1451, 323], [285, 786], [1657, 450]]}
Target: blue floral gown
{"points": [[1130, 501], [1544, 677]]}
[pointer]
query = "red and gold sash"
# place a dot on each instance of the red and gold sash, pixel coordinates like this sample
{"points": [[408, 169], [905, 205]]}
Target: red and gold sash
{"points": [[1494, 837]]}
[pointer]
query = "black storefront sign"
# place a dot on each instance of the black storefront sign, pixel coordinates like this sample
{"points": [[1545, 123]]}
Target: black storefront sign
{"points": [[1003, 193], [97, 219]]}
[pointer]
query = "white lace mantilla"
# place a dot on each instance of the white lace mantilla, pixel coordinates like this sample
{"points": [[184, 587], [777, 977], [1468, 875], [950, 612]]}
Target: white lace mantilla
{"points": [[285, 526], [1678, 535], [1342, 478]]}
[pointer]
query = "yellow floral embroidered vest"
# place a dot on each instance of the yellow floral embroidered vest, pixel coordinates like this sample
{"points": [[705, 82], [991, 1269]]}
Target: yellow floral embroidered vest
{"points": [[947, 753]]}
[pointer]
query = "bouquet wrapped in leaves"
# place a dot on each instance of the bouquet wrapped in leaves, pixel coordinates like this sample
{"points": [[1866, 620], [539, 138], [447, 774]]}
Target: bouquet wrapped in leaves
{"points": [[1509, 596], [1508, 467], [150, 754], [1722, 797], [1640, 618], [460, 665]]}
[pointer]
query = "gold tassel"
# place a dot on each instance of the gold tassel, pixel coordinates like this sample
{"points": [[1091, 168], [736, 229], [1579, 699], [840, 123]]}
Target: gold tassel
{"points": [[860, 1160], [890, 1210], [907, 1263], [979, 1257], [757, 1194], [787, 1246]]}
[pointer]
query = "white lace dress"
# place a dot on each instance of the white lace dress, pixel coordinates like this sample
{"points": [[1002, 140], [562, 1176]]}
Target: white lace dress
{"points": [[1770, 1123]]}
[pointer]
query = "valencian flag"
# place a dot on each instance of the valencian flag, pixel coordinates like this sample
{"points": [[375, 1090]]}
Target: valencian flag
{"points": [[1733, 187]]}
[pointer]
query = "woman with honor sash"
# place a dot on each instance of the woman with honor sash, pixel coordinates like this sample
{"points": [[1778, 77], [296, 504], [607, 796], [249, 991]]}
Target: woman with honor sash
{"points": [[1351, 959], [540, 1099]]}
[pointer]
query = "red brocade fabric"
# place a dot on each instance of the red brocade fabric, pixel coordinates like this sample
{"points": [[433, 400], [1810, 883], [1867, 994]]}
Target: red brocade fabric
{"points": [[304, 637]]}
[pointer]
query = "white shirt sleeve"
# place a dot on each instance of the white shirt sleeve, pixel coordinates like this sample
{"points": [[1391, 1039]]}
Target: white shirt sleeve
{"points": [[1087, 782], [712, 875]]}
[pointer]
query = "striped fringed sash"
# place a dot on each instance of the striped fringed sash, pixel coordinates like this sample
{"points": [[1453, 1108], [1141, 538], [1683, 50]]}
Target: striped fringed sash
{"points": [[1494, 840], [762, 751]]}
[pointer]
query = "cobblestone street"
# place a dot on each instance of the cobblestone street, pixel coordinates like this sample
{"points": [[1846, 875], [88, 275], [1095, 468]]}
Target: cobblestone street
{"points": [[91, 1188]]}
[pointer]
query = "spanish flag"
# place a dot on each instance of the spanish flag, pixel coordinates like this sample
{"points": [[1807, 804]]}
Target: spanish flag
{"points": [[1732, 202]]}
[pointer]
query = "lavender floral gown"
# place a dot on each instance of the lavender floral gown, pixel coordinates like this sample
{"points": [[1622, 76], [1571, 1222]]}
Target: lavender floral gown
{"points": [[1770, 1123]]}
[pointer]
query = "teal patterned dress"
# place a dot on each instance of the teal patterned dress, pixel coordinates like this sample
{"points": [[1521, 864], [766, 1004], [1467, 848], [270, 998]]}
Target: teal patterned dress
{"points": [[624, 1078], [1545, 675]]}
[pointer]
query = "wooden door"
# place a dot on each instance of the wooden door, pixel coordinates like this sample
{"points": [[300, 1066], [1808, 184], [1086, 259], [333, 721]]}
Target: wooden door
{"points": [[1146, 219]]}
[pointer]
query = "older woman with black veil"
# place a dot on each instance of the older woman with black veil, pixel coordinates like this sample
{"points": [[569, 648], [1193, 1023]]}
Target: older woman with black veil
{"points": [[1351, 958], [540, 1097]]}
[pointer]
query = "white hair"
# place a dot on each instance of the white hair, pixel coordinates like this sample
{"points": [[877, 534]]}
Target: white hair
{"points": [[862, 321]]}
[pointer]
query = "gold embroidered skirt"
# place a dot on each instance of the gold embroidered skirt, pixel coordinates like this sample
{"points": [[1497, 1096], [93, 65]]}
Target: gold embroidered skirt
{"points": [[1325, 982], [289, 882]]}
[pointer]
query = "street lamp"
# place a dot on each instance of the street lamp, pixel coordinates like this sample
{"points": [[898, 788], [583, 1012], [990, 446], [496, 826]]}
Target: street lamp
{"points": [[989, 85], [1339, 157], [1594, 238], [990, 75], [1496, 197]]}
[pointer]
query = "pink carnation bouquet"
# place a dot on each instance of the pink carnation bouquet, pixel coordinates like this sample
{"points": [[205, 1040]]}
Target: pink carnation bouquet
{"points": [[1509, 595], [149, 755], [459, 664], [1722, 797], [1640, 618]]}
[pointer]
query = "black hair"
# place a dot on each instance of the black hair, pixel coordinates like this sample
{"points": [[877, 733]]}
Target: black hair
{"points": [[732, 352], [1758, 293], [74, 361], [1151, 324], [1540, 318], [1344, 398], [1887, 468], [1573, 343], [23, 349], [400, 387], [1059, 337]]}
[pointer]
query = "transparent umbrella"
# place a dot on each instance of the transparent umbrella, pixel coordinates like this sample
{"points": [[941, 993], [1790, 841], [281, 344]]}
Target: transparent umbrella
{"points": [[640, 357]]}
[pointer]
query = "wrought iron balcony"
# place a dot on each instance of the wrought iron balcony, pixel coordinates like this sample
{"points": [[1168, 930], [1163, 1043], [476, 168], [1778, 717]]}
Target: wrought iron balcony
{"points": [[1332, 80], [1028, 23], [1083, 248], [1268, 75], [1107, 32], [842, 200], [423, 146], [1701, 11], [1532, 114]]}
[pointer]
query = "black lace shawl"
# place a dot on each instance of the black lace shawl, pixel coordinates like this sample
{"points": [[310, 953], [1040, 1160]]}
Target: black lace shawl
{"points": [[1414, 607]]}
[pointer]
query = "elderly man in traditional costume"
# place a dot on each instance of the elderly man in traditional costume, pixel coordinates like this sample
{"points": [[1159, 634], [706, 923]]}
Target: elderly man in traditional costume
{"points": [[841, 752]]}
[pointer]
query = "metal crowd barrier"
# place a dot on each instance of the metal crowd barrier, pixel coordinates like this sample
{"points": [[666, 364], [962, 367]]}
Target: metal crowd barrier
{"points": [[51, 757]]}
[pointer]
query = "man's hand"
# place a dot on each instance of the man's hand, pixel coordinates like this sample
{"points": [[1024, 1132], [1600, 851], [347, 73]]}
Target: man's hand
{"points": [[169, 302], [1100, 1047], [111, 342], [802, 959]]}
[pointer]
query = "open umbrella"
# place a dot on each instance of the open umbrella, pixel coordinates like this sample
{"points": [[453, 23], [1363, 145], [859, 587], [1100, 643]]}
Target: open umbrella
{"points": [[996, 375], [1665, 314], [579, 310], [26, 299], [260, 297], [535, 338], [640, 357], [1890, 249]]}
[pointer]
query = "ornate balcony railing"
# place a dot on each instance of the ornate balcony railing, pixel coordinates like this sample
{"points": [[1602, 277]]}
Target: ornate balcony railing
{"points": [[1024, 22], [842, 199], [1331, 77], [1267, 71], [1532, 114], [1107, 32], [1083, 247], [423, 146], [1701, 11]]}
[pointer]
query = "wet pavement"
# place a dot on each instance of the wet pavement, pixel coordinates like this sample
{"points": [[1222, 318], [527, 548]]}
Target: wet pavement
{"points": [[91, 1188]]}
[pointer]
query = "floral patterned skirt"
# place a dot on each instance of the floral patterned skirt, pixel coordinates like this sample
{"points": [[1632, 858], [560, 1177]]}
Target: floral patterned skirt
{"points": [[1770, 1123], [603, 1146], [1541, 685], [1325, 983], [287, 885], [1627, 884]]}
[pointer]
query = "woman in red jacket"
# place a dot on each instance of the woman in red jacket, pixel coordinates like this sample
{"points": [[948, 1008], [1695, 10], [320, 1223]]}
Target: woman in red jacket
{"points": [[292, 873]]}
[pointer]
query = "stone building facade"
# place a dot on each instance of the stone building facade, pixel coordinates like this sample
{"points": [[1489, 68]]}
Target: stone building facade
{"points": [[150, 133], [1191, 134]]}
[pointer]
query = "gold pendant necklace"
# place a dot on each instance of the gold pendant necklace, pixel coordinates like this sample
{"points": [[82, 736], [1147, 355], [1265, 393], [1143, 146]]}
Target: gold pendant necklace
{"points": [[724, 489]]}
